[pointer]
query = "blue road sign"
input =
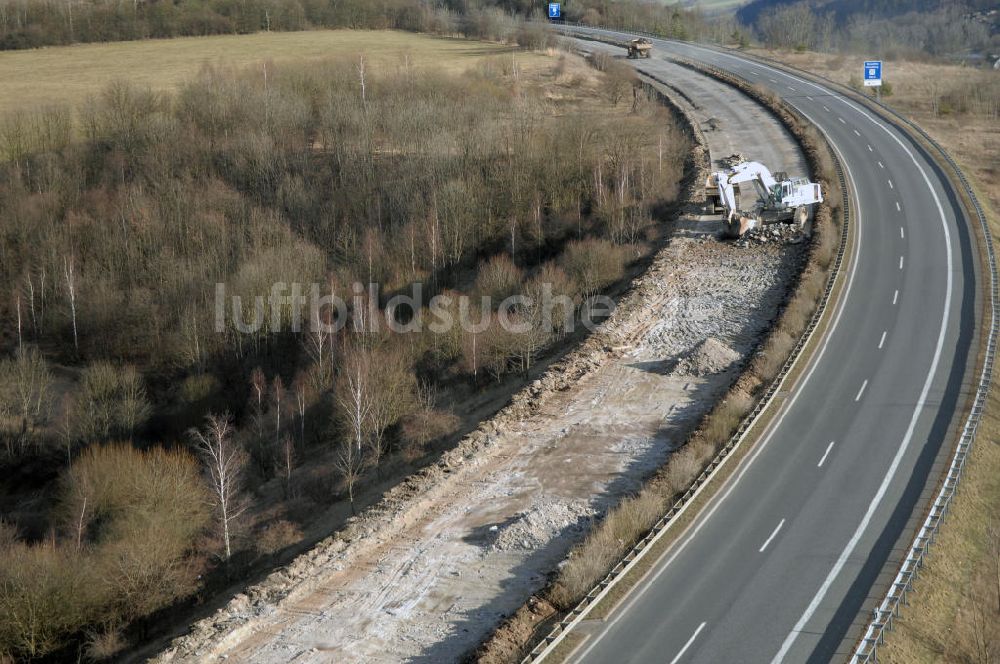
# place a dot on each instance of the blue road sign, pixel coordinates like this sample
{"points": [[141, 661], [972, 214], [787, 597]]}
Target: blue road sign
{"points": [[555, 10], [873, 73]]}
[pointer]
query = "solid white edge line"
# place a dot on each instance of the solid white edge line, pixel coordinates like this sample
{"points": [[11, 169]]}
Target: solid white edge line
{"points": [[773, 535], [718, 500], [825, 455], [904, 445], [907, 438], [881, 342], [687, 645], [862, 390]]}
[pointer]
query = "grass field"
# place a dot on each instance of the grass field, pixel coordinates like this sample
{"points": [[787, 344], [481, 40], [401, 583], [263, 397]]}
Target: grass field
{"points": [[68, 74], [955, 614]]}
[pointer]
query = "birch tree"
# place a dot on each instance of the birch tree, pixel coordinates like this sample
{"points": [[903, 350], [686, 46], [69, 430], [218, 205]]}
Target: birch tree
{"points": [[69, 270], [225, 461]]}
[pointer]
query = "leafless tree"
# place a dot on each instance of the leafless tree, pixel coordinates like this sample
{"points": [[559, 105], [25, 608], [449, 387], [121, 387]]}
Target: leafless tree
{"points": [[354, 398], [287, 462], [17, 304], [300, 386], [68, 268], [135, 408], [278, 397], [258, 383], [225, 461], [349, 462], [27, 380]]}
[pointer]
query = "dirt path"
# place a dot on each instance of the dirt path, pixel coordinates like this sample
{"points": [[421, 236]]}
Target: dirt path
{"points": [[474, 546]]}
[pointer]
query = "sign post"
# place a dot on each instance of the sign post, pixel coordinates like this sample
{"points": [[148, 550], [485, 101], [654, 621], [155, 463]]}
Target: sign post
{"points": [[555, 11], [873, 75]]}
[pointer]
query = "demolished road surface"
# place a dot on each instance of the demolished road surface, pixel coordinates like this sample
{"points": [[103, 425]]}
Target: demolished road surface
{"points": [[435, 578]]}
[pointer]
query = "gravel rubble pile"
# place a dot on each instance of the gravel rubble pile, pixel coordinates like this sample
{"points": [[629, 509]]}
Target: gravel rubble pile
{"points": [[711, 356]]}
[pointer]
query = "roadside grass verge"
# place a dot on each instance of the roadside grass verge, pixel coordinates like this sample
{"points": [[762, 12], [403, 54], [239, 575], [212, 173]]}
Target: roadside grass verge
{"points": [[954, 613]]}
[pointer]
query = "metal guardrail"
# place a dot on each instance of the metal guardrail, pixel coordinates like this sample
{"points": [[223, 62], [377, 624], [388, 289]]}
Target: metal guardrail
{"points": [[866, 651], [639, 550], [883, 616]]}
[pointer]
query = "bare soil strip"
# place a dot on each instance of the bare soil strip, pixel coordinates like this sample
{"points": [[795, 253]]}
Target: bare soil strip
{"points": [[446, 557]]}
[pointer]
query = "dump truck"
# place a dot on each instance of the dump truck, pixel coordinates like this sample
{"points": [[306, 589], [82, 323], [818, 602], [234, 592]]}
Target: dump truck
{"points": [[763, 199], [639, 48]]}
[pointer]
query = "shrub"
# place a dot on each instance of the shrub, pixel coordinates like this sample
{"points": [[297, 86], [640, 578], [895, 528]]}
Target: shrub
{"points": [[593, 264], [105, 643], [533, 37], [25, 399], [112, 402], [425, 426], [618, 80], [276, 536], [140, 512], [498, 278], [47, 592]]}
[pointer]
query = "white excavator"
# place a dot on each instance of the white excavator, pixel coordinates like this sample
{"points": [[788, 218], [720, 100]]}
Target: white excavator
{"points": [[775, 198]]}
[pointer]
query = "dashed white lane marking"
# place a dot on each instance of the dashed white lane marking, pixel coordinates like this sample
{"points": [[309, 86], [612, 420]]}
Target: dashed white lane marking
{"points": [[881, 165], [841, 120], [881, 342], [772, 80], [825, 455], [688, 644], [902, 235], [809, 98], [898, 209], [826, 109], [791, 88], [773, 535], [870, 148], [862, 390], [895, 296], [891, 186], [900, 262], [857, 133]]}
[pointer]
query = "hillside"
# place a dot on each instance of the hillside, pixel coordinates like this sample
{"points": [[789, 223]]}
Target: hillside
{"points": [[894, 28]]}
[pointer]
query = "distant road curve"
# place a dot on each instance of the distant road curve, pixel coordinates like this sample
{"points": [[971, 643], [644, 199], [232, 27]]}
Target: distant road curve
{"points": [[783, 560]]}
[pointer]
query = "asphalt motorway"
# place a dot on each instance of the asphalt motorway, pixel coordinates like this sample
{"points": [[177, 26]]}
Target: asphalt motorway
{"points": [[779, 565]]}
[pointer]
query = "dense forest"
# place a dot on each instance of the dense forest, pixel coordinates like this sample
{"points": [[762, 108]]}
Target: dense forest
{"points": [[876, 27], [143, 449], [33, 23]]}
